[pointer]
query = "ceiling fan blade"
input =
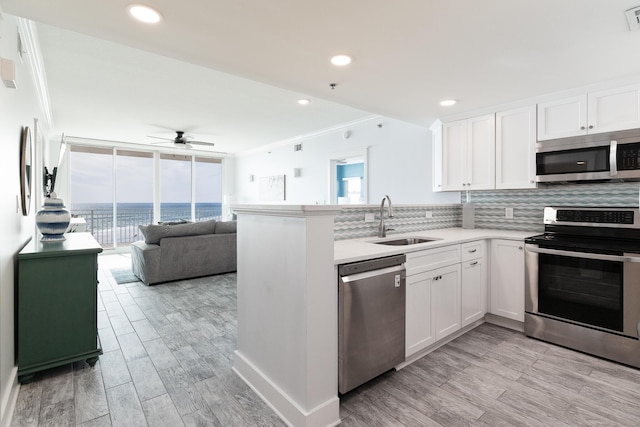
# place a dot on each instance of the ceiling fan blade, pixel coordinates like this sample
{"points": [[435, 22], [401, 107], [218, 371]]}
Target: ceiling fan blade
{"points": [[211, 144], [159, 137]]}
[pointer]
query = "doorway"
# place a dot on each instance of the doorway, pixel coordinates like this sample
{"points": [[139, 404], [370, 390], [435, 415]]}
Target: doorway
{"points": [[348, 178]]}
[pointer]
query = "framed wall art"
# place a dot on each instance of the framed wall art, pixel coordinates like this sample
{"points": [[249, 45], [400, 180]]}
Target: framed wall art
{"points": [[272, 188]]}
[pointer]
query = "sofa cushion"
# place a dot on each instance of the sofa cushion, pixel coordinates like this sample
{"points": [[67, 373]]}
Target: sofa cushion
{"points": [[153, 233], [226, 227]]}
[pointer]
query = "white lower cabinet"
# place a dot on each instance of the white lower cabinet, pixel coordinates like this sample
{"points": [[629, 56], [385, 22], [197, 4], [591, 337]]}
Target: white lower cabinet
{"points": [[419, 333], [445, 295], [507, 279], [433, 296], [473, 297]]}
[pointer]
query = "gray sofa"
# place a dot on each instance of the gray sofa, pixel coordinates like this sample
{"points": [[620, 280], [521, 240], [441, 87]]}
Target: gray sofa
{"points": [[182, 251]]}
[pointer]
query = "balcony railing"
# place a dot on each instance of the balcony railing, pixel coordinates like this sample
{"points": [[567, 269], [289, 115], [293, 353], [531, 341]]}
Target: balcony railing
{"points": [[100, 222]]}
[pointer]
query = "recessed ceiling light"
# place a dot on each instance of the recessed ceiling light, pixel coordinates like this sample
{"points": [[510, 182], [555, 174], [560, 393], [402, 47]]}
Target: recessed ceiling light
{"points": [[144, 13], [448, 102], [303, 101], [341, 60]]}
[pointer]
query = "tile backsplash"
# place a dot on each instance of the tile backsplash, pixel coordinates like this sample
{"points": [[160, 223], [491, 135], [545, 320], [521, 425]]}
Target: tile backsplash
{"points": [[489, 207], [349, 224], [528, 205]]}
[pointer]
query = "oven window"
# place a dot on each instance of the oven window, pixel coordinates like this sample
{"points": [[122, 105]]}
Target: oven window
{"points": [[583, 290]]}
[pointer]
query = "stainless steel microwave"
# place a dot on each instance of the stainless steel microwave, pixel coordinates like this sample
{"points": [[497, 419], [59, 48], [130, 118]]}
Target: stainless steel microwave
{"points": [[613, 156]]}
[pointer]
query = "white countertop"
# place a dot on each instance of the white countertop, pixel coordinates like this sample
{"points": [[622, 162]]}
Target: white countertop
{"points": [[352, 250]]}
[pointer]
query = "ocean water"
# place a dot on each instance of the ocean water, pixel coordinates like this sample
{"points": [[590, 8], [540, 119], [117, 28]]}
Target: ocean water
{"points": [[99, 217]]}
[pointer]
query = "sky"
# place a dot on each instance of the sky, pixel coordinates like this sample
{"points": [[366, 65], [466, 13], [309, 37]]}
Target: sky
{"points": [[92, 179]]}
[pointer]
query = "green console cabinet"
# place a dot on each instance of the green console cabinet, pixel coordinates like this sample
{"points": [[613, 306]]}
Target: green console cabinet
{"points": [[56, 304]]}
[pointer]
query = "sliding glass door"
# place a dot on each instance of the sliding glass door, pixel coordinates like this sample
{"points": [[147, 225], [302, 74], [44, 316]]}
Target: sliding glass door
{"points": [[175, 188], [208, 188], [91, 188], [134, 194], [117, 190]]}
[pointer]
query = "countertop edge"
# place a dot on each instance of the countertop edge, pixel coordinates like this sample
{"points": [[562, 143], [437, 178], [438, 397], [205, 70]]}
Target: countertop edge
{"points": [[353, 250]]}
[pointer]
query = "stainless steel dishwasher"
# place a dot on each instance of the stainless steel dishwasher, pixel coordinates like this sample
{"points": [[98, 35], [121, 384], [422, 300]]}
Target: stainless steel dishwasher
{"points": [[371, 310]]}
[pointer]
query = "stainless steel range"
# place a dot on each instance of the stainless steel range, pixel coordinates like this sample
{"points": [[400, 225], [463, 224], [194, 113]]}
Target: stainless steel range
{"points": [[583, 281]]}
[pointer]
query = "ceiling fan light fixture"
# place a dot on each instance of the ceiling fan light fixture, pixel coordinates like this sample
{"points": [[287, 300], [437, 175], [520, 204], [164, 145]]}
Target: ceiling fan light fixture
{"points": [[341, 60], [448, 102], [145, 14]]}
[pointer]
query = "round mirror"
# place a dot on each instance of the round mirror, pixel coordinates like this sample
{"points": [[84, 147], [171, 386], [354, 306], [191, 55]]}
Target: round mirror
{"points": [[25, 169]]}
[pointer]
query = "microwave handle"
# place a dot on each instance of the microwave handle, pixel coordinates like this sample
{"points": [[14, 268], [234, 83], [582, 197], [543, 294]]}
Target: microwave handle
{"points": [[613, 158], [588, 255]]}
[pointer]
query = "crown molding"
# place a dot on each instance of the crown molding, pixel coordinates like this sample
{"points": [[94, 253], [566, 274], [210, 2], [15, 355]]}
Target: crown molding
{"points": [[31, 43]]}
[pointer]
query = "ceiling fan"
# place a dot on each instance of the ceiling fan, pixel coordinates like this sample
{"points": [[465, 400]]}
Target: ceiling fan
{"points": [[181, 140]]}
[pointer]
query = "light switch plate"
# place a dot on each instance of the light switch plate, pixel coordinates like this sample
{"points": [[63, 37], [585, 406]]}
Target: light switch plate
{"points": [[428, 214], [369, 217], [508, 213]]}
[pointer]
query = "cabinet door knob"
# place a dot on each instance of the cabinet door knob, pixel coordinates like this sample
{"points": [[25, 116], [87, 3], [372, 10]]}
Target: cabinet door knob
{"points": [[520, 247], [590, 126]]}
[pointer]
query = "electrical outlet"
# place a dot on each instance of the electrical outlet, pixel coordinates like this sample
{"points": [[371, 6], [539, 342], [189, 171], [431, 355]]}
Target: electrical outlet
{"points": [[428, 214], [369, 217], [508, 213]]}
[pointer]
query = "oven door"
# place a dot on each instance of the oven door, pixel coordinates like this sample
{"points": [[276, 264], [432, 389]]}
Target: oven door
{"points": [[597, 290]]}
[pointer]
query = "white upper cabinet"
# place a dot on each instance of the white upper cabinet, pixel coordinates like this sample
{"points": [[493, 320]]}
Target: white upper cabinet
{"points": [[596, 112], [436, 152], [468, 154], [614, 109], [515, 148]]}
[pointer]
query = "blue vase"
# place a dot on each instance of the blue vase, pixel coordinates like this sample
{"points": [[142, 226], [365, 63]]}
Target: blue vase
{"points": [[53, 219]]}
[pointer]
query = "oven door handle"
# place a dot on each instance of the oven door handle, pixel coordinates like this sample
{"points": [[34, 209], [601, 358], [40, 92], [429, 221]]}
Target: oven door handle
{"points": [[588, 255]]}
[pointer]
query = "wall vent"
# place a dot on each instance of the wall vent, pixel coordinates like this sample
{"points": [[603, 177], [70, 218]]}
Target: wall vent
{"points": [[297, 147], [633, 18]]}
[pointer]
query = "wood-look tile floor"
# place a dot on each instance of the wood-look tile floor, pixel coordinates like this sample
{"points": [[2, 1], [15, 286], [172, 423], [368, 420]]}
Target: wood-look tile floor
{"points": [[168, 355]]}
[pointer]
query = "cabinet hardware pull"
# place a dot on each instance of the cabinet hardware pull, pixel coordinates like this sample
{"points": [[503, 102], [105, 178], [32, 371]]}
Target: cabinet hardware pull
{"points": [[582, 128], [474, 263], [472, 251], [520, 247], [590, 126]]}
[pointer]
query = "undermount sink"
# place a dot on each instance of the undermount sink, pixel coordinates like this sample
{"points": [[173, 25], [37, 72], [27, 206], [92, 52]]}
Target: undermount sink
{"points": [[405, 241]]}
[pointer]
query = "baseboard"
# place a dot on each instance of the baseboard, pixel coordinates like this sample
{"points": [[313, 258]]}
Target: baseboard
{"points": [[324, 415], [8, 405], [504, 322]]}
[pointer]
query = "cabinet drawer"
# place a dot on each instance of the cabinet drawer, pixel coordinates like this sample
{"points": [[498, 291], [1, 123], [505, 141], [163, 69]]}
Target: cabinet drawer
{"points": [[472, 250], [419, 262]]}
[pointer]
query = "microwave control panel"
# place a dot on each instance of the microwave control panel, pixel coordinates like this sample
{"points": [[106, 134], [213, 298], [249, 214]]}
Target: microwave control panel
{"points": [[629, 156]]}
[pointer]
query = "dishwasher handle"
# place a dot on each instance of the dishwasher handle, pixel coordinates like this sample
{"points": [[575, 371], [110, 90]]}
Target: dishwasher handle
{"points": [[373, 273]]}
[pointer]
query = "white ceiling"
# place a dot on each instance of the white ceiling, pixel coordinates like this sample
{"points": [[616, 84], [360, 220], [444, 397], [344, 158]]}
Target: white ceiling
{"points": [[231, 71]]}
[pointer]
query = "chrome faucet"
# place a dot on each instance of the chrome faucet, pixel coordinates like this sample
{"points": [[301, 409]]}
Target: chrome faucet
{"points": [[382, 230]]}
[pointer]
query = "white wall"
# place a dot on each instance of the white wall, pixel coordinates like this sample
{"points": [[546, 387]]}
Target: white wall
{"points": [[399, 165], [18, 107]]}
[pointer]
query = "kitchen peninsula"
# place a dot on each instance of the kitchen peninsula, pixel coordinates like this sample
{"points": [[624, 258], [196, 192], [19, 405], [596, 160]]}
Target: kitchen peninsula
{"points": [[287, 347]]}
